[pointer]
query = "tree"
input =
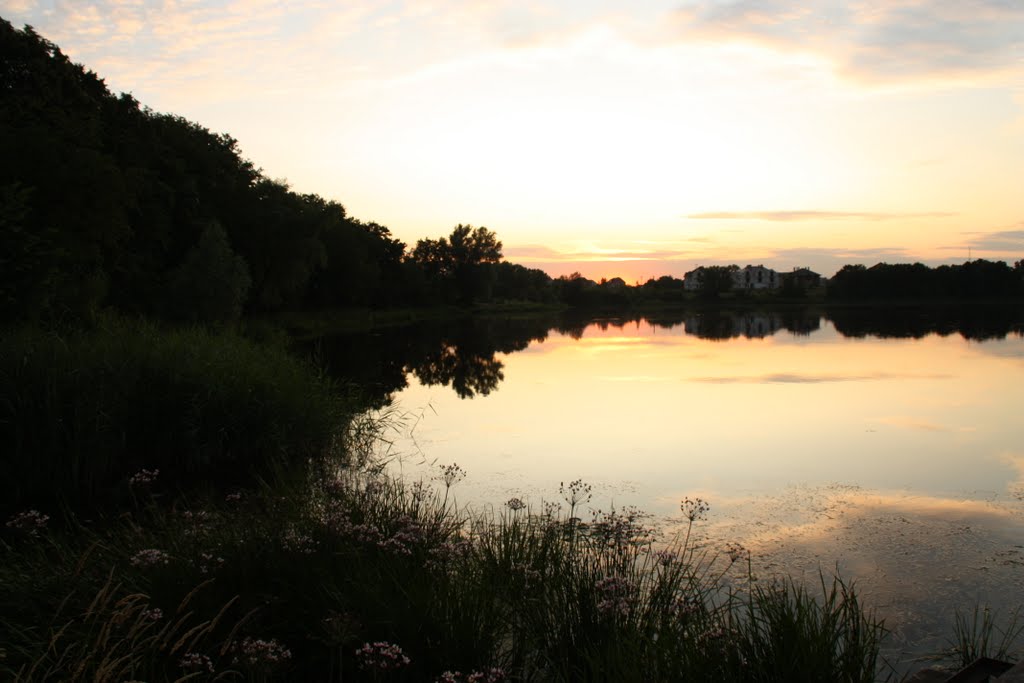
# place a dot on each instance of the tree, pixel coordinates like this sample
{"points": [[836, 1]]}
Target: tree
{"points": [[717, 279], [462, 262], [211, 283]]}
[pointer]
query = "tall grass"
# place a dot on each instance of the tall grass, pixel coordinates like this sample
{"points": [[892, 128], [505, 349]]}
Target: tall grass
{"points": [[80, 411], [345, 577], [978, 635]]}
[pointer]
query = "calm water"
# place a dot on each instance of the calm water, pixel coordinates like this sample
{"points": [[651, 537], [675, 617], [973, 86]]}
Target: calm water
{"points": [[887, 446]]}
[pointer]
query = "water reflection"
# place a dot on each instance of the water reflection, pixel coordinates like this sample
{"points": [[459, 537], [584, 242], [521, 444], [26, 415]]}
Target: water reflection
{"points": [[884, 445], [463, 354]]}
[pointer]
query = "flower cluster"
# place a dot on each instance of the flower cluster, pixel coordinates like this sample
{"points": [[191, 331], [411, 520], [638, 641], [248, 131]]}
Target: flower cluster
{"points": [[451, 475], [150, 557], [233, 497], [155, 614], [441, 556], [408, 535], [492, 675], [735, 551], [552, 511], [143, 478], [29, 522], [613, 593], [618, 530], [259, 653], [684, 608], [208, 562], [381, 656], [575, 493], [666, 557], [199, 522], [515, 504], [420, 491], [694, 509], [297, 542], [194, 662]]}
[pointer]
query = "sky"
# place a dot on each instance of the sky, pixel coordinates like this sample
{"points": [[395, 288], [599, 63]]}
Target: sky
{"points": [[615, 139]]}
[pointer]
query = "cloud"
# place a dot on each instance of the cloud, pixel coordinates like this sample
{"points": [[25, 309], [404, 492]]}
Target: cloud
{"points": [[787, 216], [637, 251], [1004, 240], [796, 378], [18, 6], [897, 40], [913, 424]]}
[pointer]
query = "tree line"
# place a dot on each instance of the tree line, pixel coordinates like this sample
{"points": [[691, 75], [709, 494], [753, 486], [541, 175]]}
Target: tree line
{"points": [[106, 203]]}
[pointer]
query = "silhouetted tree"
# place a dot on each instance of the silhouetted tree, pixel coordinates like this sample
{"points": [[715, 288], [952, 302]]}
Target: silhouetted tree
{"points": [[211, 283], [716, 280], [462, 262]]}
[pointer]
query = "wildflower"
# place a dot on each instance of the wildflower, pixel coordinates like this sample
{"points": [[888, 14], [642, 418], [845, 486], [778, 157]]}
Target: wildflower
{"points": [[614, 593], [199, 522], [155, 614], [382, 656], [335, 487], [419, 491], [193, 662], [665, 557], [452, 475], [578, 492], [405, 539], [491, 675], [735, 551], [298, 542], [150, 557], [439, 556], [618, 530], [515, 504], [694, 509], [551, 510], [209, 562], [29, 522], [143, 478], [259, 653], [233, 497]]}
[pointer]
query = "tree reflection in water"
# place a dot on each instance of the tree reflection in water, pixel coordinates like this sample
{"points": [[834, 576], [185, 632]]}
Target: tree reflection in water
{"points": [[464, 353]]}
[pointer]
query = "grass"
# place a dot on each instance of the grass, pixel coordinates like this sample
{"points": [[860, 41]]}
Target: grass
{"points": [[79, 412], [978, 635], [345, 575], [300, 560]]}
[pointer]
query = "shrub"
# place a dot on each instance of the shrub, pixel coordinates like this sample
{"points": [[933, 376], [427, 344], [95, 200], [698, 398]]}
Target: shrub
{"points": [[80, 413]]}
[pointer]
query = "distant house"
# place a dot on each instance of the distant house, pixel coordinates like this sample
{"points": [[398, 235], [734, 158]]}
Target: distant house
{"points": [[803, 278], [693, 280], [756, 277]]}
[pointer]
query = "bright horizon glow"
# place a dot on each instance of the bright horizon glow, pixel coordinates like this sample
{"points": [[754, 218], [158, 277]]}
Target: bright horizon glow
{"points": [[615, 142]]}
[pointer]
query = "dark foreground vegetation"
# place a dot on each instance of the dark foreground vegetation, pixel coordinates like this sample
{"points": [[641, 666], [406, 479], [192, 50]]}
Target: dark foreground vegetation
{"points": [[185, 505], [186, 502]]}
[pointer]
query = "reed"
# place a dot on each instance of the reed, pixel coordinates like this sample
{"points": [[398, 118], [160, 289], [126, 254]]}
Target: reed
{"points": [[80, 411], [356, 576]]}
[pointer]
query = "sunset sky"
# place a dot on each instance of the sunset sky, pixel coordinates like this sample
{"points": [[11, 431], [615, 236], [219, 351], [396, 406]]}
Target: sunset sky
{"points": [[633, 139]]}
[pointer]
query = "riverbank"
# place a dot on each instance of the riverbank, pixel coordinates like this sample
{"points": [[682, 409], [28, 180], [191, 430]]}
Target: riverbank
{"points": [[307, 564]]}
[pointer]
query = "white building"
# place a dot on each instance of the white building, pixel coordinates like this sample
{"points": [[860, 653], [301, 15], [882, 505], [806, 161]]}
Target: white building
{"points": [[756, 277]]}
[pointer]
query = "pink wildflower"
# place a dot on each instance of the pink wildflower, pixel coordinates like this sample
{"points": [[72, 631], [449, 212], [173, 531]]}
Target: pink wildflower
{"points": [[150, 557], [29, 522], [381, 656]]}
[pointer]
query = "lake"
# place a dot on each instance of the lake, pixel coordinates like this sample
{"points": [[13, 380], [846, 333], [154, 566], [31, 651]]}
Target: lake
{"points": [[882, 444]]}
